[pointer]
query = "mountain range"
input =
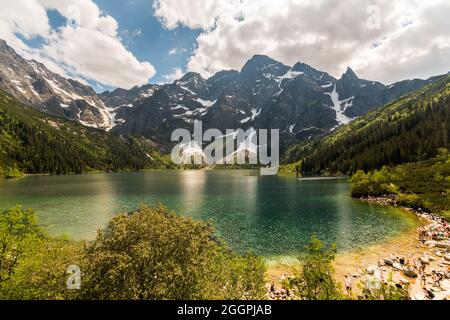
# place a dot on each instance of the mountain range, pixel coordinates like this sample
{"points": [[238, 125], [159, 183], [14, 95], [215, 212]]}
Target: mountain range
{"points": [[410, 129], [300, 101]]}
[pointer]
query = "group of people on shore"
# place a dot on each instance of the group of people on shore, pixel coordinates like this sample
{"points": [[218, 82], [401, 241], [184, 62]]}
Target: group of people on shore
{"points": [[438, 230]]}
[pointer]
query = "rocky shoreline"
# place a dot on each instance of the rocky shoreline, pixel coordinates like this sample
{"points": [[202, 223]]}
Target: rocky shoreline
{"points": [[423, 268], [426, 273]]}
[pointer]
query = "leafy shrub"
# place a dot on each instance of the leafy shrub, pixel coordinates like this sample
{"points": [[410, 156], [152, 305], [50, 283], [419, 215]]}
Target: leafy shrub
{"points": [[411, 201], [316, 281], [149, 254], [155, 254], [18, 233]]}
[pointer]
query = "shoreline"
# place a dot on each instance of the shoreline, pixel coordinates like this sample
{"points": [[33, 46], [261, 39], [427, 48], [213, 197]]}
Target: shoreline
{"points": [[374, 261]]}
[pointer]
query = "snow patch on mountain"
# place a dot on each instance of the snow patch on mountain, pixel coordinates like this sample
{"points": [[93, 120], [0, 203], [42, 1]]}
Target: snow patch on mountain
{"points": [[255, 113], [290, 75], [340, 106], [328, 85], [291, 128], [206, 103], [178, 107]]}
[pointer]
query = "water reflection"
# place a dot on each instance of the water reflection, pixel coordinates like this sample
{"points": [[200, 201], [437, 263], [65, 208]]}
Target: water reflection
{"points": [[268, 215], [192, 185]]}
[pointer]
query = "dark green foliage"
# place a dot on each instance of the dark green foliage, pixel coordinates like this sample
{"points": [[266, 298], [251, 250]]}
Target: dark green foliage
{"points": [[42, 272], [375, 184], [155, 254], [149, 254], [316, 281], [408, 130], [18, 232], [33, 266], [31, 142], [421, 185]]}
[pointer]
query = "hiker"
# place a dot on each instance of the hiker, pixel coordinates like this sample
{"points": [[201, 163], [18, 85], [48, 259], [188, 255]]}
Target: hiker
{"points": [[348, 285], [423, 279]]}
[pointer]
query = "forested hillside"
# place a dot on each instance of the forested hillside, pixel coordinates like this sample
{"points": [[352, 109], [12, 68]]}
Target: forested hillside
{"points": [[32, 142], [420, 185], [410, 129]]}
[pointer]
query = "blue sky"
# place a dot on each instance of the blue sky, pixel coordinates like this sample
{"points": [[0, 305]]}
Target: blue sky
{"points": [[116, 43], [153, 42], [141, 33]]}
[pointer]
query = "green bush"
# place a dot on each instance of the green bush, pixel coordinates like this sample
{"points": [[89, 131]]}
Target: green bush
{"points": [[33, 266], [149, 254], [316, 281], [19, 233], [411, 201], [154, 254], [42, 273], [420, 185]]}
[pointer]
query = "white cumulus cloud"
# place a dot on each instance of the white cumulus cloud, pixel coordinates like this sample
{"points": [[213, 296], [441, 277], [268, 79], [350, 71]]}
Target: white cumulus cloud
{"points": [[413, 39], [176, 74], [88, 47]]}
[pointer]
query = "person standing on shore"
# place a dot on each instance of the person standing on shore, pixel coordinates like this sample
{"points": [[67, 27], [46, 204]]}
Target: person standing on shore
{"points": [[348, 285]]}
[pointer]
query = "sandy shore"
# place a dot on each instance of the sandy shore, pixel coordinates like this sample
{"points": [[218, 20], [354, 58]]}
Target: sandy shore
{"points": [[406, 246], [355, 261]]}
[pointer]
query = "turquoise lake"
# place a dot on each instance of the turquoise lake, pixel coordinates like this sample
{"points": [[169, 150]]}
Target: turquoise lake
{"points": [[269, 216]]}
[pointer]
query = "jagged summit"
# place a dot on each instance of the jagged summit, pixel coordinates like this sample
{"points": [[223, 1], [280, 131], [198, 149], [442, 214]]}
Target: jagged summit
{"points": [[312, 72], [302, 102], [191, 76], [260, 63], [350, 74]]}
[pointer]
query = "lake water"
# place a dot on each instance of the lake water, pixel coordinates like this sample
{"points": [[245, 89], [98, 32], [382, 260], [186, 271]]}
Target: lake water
{"points": [[269, 216]]}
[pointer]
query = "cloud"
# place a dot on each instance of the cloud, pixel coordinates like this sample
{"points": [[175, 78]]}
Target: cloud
{"points": [[176, 74], [412, 41], [136, 32], [88, 47], [175, 51], [198, 14]]}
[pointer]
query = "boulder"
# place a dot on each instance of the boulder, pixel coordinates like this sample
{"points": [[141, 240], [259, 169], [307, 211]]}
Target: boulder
{"points": [[447, 257], [430, 244], [443, 245], [410, 273], [371, 269], [403, 281], [397, 266], [425, 260], [389, 262]]}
